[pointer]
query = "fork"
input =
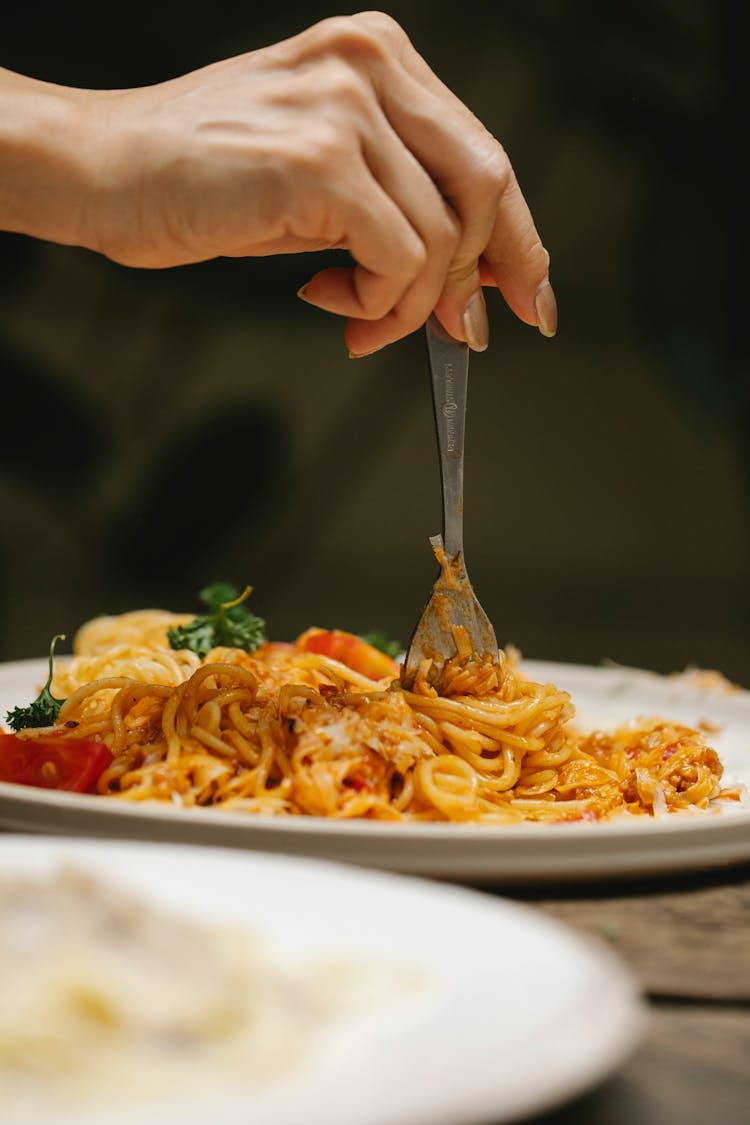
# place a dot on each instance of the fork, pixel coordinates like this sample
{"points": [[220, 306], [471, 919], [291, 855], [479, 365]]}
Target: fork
{"points": [[453, 604]]}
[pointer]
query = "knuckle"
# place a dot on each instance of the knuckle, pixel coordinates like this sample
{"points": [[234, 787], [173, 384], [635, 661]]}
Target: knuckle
{"points": [[350, 38], [382, 25], [414, 257], [442, 231], [534, 255], [461, 271], [493, 173], [343, 83], [448, 233], [334, 27]]}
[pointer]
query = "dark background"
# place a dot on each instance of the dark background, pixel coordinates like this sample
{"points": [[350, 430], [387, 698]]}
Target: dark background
{"points": [[164, 429]]}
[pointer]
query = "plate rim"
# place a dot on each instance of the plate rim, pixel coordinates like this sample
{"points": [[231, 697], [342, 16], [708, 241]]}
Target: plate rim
{"points": [[396, 830]]}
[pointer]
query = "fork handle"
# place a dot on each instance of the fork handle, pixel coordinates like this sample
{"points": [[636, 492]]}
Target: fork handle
{"points": [[449, 367]]}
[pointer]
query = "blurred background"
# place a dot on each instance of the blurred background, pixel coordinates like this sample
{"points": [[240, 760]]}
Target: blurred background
{"points": [[166, 429]]}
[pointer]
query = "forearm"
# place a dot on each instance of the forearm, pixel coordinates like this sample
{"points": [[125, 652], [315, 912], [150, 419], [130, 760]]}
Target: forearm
{"points": [[47, 160]]}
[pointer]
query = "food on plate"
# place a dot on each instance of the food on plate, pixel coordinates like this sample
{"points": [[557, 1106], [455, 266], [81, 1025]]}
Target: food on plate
{"points": [[53, 763], [322, 727], [102, 992]]}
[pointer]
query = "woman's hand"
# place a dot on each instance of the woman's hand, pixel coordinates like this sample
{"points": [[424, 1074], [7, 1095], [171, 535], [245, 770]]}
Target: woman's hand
{"points": [[339, 137]]}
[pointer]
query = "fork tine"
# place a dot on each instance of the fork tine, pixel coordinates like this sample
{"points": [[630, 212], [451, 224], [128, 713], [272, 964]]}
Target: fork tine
{"points": [[452, 606]]}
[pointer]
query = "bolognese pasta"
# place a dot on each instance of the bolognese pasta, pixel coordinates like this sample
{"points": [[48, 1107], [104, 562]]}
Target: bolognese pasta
{"points": [[322, 727]]}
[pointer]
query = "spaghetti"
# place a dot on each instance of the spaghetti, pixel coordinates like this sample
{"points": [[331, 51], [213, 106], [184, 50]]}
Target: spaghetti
{"points": [[94, 987], [292, 730]]}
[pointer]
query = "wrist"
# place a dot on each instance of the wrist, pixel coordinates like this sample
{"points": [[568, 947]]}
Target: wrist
{"points": [[48, 160]]}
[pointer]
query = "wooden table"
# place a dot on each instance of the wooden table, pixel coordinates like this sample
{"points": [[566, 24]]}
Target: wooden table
{"points": [[687, 939]]}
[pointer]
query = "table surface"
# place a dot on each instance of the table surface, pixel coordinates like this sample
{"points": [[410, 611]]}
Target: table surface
{"points": [[687, 939]]}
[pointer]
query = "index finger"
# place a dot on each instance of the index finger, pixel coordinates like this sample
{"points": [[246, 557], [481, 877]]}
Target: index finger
{"points": [[514, 255], [517, 261]]}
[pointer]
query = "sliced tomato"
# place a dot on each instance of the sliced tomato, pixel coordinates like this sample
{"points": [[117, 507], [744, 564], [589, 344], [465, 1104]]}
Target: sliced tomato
{"points": [[75, 764], [350, 650]]}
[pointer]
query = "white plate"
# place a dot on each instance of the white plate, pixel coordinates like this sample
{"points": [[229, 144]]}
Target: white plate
{"points": [[518, 853], [516, 1013]]}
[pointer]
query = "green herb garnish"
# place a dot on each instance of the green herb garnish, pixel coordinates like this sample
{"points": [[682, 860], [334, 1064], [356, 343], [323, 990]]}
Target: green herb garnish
{"points": [[379, 640], [44, 710], [228, 623]]}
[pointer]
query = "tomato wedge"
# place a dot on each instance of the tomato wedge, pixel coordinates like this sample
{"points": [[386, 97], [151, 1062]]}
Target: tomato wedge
{"points": [[75, 764], [350, 650]]}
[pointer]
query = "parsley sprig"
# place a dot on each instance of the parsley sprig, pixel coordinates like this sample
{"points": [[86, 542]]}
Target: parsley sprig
{"points": [[380, 640], [44, 710], [228, 623]]}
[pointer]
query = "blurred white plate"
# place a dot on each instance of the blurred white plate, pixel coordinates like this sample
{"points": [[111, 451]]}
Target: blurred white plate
{"points": [[520, 853], [516, 1012]]}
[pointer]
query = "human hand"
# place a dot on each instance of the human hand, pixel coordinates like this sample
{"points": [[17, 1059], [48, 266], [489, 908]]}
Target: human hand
{"points": [[339, 137]]}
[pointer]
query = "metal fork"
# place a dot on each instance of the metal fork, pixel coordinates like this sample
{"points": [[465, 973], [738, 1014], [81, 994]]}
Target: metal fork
{"points": [[453, 601]]}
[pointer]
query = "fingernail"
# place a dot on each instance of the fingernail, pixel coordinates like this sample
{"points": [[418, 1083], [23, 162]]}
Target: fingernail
{"points": [[302, 293], [546, 309], [476, 328], [361, 355]]}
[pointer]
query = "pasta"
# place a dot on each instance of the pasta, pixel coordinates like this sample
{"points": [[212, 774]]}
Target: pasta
{"points": [[292, 731], [99, 984]]}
